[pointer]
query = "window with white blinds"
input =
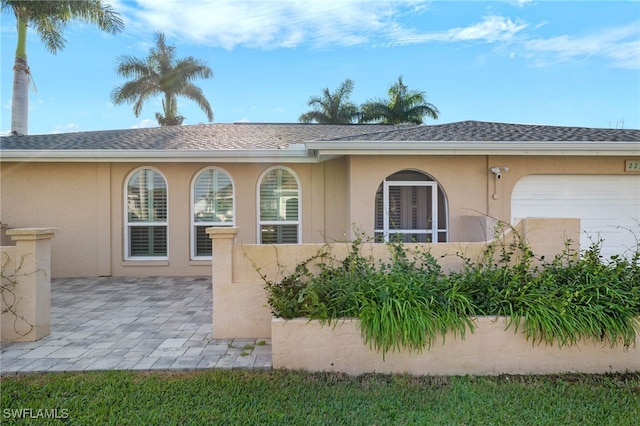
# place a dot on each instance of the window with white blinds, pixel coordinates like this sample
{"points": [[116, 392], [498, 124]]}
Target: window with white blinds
{"points": [[410, 207], [146, 215], [212, 204], [279, 207]]}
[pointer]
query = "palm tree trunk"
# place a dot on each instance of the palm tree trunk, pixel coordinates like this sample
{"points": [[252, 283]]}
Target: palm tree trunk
{"points": [[20, 100]]}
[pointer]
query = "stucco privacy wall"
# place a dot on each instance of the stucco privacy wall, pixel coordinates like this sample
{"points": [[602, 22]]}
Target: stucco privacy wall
{"points": [[240, 306], [491, 349]]}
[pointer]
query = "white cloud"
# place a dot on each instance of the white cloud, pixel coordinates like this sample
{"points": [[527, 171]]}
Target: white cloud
{"points": [[66, 128], [266, 25], [291, 23], [491, 29], [146, 123], [620, 45], [520, 3]]}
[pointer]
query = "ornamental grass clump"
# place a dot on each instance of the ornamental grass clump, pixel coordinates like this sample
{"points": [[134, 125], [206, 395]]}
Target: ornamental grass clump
{"points": [[584, 298], [408, 303], [405, 303], [563, 301]]}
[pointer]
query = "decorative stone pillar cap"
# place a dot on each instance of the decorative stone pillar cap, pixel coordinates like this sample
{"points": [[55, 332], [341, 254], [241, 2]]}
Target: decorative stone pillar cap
{"points": [[31, 233], [221, 232]]}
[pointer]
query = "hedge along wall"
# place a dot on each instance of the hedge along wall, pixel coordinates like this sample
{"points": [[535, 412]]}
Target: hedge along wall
{"points": [[240, 308]]}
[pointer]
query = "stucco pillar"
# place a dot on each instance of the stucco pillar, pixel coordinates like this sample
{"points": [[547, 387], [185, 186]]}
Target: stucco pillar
{"points": [[549, 237], [221, 250], [30, 296], [222, 239]]}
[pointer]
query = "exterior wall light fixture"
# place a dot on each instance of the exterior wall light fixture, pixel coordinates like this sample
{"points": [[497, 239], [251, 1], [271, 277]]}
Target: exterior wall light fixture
{"points": [[498, 170]]}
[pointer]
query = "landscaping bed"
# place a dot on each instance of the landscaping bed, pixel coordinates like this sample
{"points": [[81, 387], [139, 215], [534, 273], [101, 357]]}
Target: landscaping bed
{"points": [[507, 312]]}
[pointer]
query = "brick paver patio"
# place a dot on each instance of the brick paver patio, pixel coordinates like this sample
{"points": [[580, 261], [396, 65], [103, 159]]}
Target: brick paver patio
{"points": [[150, 323]]}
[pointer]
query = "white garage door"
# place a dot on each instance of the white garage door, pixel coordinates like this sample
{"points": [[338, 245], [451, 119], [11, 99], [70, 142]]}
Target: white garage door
{"points": [[608, 206]]}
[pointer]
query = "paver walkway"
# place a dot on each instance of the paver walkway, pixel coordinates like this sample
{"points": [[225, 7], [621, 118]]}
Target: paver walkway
{"points": [[150, 323]]}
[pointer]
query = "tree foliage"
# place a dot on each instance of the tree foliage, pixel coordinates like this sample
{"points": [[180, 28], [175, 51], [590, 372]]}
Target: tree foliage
{"points": [[332, 108], [49, 19], [161, 73], [403, 106]]}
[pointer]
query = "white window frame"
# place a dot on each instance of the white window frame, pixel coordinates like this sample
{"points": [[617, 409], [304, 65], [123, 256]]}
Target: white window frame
{"points": [[192, 239], [433, 230], [128, 224], [260, 222]]}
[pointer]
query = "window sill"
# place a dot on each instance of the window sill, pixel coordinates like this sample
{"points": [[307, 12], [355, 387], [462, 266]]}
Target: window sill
{"points": [[200, 262], [164, 262]]}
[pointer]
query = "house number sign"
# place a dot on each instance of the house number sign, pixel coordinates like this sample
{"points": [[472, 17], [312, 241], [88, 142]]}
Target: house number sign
{"points": [[632, 166]]}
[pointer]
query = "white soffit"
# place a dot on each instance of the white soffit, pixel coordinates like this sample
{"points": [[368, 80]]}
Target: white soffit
{"points": [[334, 148], [137, 155]]}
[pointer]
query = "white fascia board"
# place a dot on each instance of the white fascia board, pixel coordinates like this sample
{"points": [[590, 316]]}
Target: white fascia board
{"points": [[325, 149], [168, 156]]}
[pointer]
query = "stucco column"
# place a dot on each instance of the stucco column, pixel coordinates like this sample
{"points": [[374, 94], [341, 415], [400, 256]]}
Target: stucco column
{"points": [[32, 290], [221, 251], [222, 239]]}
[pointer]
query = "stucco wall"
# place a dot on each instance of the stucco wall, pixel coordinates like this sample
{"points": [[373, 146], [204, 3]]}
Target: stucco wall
{"points": [[72, 197], [471, 189], [464, 180], [240, 306], [179, 178], [491, 349], [85, 201]]}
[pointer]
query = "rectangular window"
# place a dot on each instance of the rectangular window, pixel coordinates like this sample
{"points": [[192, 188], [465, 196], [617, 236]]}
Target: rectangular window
{"points": [[279, 234], [148, 241]]}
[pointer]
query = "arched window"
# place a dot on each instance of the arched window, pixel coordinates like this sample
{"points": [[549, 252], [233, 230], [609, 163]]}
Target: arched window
{"points": [[146, 215], [211, 205], [279, 207], [411, 206]]}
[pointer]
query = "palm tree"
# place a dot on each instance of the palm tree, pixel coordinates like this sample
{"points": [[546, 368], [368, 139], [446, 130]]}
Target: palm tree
{"points": [[332, 108], [403, 106], [161, 73], [48, 19]]}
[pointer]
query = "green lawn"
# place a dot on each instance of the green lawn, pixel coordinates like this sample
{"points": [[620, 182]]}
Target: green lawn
{"points": [[299, 398]]}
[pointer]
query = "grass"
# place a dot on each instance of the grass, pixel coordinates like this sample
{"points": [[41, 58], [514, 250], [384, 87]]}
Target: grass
{"points": [[297, 398]]}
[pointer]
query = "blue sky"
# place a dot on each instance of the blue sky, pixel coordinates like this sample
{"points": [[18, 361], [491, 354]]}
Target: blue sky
{"points": [[574, 63]]}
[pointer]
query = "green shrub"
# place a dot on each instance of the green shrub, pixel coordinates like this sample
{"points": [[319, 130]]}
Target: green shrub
{"points": [[408, 302]]}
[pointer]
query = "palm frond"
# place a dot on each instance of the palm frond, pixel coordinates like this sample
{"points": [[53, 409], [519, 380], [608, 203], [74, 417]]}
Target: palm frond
{"points": [[194, 93], [162, 73], [49, 18], [332, 108]]}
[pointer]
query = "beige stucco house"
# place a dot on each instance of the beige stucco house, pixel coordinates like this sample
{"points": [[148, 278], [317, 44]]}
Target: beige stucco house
{"points": [[137, 202]]}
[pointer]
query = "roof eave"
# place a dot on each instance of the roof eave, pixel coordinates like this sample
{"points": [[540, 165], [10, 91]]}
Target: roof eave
{"points": [[538, 148], [160, 155]]}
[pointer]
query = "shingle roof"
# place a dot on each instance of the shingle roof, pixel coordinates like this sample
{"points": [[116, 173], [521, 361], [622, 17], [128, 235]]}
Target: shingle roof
{"points": [[249, 136], [240, 136], [470, 131]]}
